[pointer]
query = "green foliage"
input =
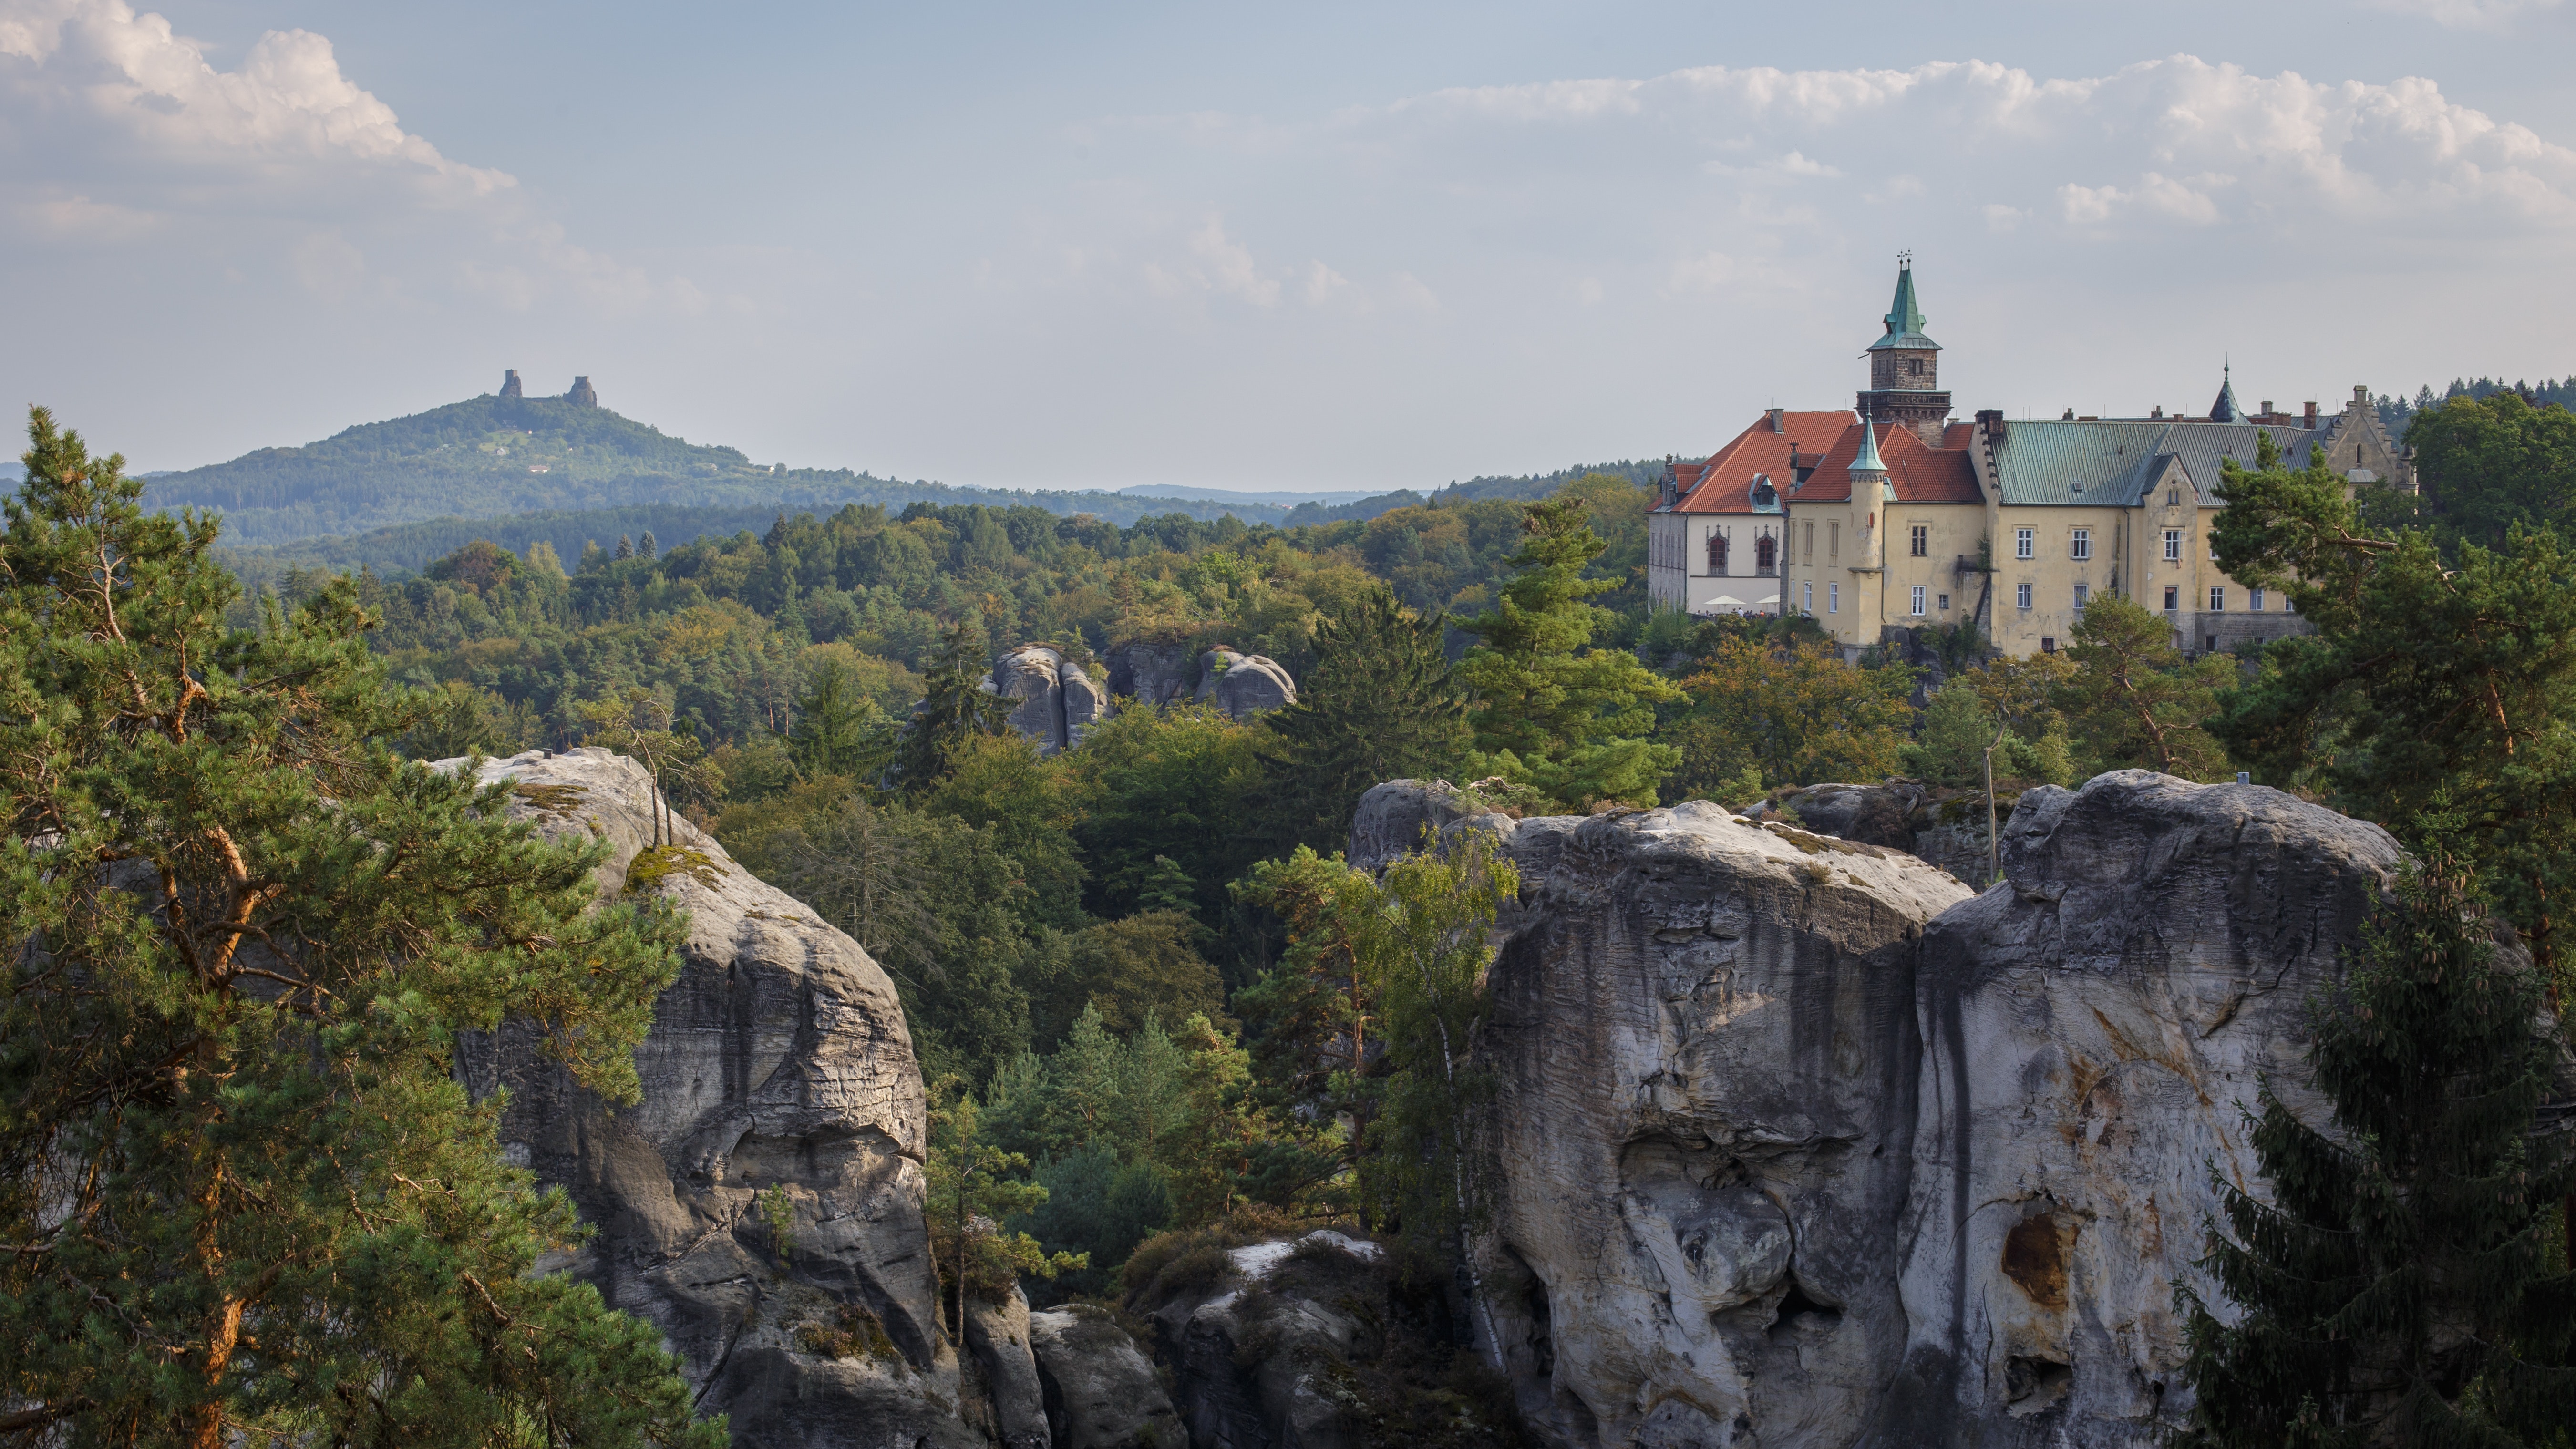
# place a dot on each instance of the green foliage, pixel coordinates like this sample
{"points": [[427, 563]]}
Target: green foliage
{"points": [[1380, 704], [247, 1198], [2487, 465], [838, 730], [1548, 710], [974, 1188], [954, 709], [2133, 702], [2437, 697], [1957, 727], [2397, 1282], [1168, 787], [1790, 711]]}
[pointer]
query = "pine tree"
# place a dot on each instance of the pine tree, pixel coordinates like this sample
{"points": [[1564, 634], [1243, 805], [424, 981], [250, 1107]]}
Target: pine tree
{"points": [[625, 548], [2399, 1288], [1570, 723], [954, 705], [646, 546], [838, 729], [2133, 701], [1380, 704], [245, 1198]]}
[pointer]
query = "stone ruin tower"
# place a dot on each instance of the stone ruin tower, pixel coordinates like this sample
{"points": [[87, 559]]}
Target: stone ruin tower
{"points": [[510, 384], [583, 395]]}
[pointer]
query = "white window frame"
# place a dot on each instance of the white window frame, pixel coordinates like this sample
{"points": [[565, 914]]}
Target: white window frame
{"points": [[2021, 597], [1808, 603], [2083, 596], [1833, 598], [2079, 546], [2173, 545], [1917, 600], [2025, 542], [2253, 601], [2218, 598]]}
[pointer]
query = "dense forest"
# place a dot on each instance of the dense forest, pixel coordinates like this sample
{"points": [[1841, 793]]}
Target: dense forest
{"points": [[1151, 998]]}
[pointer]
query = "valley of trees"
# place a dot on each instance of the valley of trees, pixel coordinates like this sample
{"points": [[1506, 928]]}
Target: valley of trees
{"points": [[1150, 996]]}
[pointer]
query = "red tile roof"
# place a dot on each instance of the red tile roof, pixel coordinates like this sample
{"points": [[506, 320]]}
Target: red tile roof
{"points": [[1724, 483], [1920, 473]]}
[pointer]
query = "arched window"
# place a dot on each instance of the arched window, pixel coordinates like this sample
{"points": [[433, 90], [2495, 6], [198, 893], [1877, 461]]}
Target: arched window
{"points": [[1766, 550], [1716, 553]]}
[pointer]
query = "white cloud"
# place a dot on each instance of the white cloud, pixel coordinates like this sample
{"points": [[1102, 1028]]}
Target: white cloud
{"points": [[1321, 283], [2468, 14], [282, 154]]}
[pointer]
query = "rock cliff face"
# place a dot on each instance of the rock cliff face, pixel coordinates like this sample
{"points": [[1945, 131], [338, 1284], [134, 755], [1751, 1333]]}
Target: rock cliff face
{"points": [[778, 1066], [1242, 685], [1800, 1143], [1944, 826], [1058, 701]]}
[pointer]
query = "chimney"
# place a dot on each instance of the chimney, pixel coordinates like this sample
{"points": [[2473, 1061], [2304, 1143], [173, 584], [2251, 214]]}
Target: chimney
{"points": [[2159, 412], [2360, 396], [1776, 425], [2267, 407], [1990, 425], [2311, 422]]}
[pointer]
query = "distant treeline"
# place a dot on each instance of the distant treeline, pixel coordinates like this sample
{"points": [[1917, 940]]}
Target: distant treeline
{"points": [[2396, 412]]}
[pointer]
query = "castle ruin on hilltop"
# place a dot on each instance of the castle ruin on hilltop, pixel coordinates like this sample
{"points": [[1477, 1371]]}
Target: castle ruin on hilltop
{"points": [[582, 394]]}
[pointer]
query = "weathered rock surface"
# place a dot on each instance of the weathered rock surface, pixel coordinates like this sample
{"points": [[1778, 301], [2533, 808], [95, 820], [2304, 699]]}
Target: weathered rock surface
{"points": [[779, 1062], [1101, 1393], [1243, 685], [2091, 1033], [1944, 826], [1034, 675], [1085, 703], [999, 1334], [1152, 673], [1800, 1143]]}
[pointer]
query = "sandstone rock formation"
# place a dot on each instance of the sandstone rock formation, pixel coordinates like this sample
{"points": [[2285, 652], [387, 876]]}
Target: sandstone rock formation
{"points": [[1800, 1143], [1101, 1392], [1059, 703], [1152, 673], [778, 1072], [1243, 685], [1944, 826]]}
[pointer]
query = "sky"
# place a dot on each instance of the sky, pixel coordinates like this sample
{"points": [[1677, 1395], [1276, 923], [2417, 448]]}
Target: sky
{"points": [[1317, 246]]}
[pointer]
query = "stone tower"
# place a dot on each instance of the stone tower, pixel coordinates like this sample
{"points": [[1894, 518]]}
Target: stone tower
{"points": [[1905, 369], [510, 384], [583, 395]]}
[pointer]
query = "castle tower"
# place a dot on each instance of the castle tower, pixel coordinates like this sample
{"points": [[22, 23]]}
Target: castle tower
{"points": [[583, 395], [1905, 369], [1869, 488], [510, 384]]}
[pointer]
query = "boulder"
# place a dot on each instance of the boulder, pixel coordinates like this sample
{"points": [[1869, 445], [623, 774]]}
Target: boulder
{"points": [[999, 1334], [1243, 685], [778, 1075], [1085, 703], [1799, 1142], [1945, 826], [1033, 675], [1151, 673], [1101, 1392]]}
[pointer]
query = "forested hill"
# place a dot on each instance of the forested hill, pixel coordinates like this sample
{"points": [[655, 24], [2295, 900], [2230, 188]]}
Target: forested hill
{"points": [[470, 465]]}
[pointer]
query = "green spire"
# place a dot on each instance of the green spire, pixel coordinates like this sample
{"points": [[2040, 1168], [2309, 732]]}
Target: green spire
{"points": [[1904, 319], [1868, 461], [1903, 316]]}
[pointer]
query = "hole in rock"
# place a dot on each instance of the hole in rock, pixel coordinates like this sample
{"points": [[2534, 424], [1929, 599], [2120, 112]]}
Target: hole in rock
{"points": [[1800, 1311], [2032, 1384]]}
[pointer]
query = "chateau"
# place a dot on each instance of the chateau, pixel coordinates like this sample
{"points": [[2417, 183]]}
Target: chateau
{"points": [[1893, 515]]}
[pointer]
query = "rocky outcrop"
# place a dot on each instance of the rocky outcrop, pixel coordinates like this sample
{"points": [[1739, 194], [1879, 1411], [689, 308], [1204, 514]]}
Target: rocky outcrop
{"points": [[779, 1084], [1243, 685], [1944, 826], [1101, 1392], [1800, 1143], [999, 1334], [1058, 702], [2092, 1032]]}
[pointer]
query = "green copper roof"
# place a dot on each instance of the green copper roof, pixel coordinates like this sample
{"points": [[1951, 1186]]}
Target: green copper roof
{"points": [[1868, 461], [1904, 319]]}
